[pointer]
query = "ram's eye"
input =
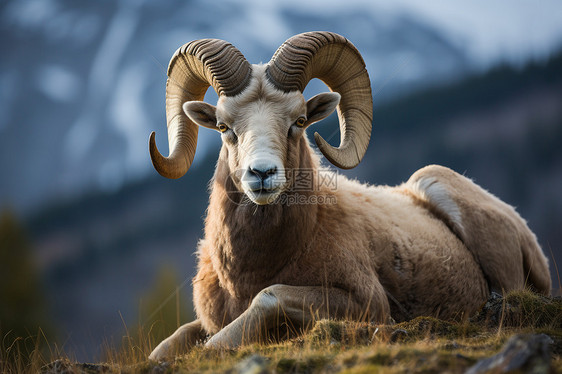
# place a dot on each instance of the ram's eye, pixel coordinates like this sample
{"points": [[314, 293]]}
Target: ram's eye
{"points": [[300, 122], [222, 127]]}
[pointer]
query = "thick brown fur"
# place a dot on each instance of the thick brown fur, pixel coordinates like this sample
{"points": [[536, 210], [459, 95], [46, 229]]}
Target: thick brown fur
{"points": [[390, 249]]}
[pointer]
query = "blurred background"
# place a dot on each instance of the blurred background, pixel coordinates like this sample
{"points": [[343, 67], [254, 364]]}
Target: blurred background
{"points": [[93, 242]]}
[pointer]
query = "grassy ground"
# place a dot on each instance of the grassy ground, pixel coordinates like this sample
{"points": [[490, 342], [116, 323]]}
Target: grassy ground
{"points": [[422, 345]]}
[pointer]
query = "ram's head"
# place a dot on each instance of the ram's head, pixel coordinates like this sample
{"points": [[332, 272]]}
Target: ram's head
{"points": [[261, 112]]}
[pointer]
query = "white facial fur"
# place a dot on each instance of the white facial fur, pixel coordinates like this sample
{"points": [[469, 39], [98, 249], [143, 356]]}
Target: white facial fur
{"points": [[261, 122], [260, 118]]}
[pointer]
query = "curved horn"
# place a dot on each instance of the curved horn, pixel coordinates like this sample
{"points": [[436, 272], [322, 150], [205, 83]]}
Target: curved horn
{"points": [[193, 68], [333, 59]]}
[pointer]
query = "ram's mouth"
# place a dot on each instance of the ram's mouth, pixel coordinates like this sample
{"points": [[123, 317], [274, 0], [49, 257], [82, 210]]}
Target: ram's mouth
{"points": [[263, 196], [265, 190]]}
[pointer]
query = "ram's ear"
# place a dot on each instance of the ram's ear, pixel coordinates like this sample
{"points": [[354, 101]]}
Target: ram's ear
{"points": [[201, 113], [321, 106]]}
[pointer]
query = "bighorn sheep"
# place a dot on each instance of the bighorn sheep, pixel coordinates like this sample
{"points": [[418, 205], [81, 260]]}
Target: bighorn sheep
{"points": [[435, 245]]}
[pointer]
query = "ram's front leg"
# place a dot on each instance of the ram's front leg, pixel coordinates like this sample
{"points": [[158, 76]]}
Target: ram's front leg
{"points": [[179, 342], [297, 307]]}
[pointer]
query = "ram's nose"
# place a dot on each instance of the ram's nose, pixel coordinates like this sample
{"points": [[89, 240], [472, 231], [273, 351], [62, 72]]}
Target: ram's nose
{"points": [[262, 175], [263, 172]]}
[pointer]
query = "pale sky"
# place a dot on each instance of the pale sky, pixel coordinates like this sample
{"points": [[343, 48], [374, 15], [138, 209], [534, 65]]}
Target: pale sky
{"points": [[490, 30]]}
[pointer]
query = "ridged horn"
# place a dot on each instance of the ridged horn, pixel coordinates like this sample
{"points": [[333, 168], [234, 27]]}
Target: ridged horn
{"points": [[193, 68], [334, 60]]}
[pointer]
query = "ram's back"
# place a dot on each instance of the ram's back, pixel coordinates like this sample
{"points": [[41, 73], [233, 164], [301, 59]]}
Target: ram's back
{"points": [[496, 235]]}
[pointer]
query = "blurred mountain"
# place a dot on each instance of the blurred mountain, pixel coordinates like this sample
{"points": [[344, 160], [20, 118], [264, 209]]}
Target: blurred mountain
{"points": [[100, 253], [82, 83]]}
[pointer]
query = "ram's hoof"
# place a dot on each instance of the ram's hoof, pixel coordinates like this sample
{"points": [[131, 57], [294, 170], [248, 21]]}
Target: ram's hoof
{"points": [[162, 352]]}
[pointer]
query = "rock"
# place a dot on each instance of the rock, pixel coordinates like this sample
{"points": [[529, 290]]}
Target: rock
{"points": [[398, 335], [57, 367], [161, 368], [521, 353], [255, 364], [63, 366], [491, 313]]}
